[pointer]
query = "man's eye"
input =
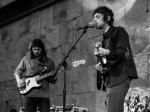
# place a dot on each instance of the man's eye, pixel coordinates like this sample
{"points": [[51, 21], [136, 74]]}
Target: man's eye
{"points": [[98, 17]]}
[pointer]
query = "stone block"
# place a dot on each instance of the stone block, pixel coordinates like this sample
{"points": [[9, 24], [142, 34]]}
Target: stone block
{"points": [[138, 39], [35, 21], [100, 101], [87, 100], [3, 73], [47, 17], [142, 66], [8, 85], [3, 106], [83, 79], [4, 35], [9, 95], [24, 27], [136, 15], [56, 100], [50, 36], [59, 12], [148, 68], [73, 9], [73, 99], [13, 31], [9, 47], [89, 5], [2, 49], [22, 44], [66, 33], [53, 88]]}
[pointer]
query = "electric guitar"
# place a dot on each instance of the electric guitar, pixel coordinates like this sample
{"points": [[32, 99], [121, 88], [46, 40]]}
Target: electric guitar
{"points": [[103, 72], [32, 81]]}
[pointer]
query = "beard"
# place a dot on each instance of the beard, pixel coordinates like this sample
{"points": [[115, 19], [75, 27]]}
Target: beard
{"points": [[37, 55]]}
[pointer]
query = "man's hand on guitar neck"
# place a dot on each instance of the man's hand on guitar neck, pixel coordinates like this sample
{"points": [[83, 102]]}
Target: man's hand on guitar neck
{"points": [[101, 52]]}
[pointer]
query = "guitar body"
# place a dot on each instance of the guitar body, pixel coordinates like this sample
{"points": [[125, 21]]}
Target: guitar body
{"points": [[101, 80], [101, 76], [29, 84]]}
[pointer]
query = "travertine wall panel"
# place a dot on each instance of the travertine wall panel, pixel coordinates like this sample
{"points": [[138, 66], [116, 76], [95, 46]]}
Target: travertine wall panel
{"points": [[73, 9], [35, 21], [83, 79], [59, 12]]}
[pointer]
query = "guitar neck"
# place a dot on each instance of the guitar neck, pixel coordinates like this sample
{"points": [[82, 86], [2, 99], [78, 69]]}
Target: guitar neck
{"points": [[43, 76]]}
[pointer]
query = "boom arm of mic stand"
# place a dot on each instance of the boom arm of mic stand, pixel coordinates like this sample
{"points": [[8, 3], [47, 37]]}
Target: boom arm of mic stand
{"points": [[64, 59]]}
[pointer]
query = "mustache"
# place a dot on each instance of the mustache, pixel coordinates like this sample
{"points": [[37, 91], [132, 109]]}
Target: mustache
{"points": [[36, 54]]}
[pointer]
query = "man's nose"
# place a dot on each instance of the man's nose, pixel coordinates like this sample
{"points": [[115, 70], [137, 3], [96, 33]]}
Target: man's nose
{"points": [[94, 20], [36, 51]]}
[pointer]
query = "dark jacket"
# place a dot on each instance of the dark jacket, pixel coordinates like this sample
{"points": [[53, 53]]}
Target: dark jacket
{"points": [[120, 62]]}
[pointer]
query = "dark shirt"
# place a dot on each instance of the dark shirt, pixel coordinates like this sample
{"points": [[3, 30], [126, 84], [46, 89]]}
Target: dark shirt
{"points": [[120, 60]]}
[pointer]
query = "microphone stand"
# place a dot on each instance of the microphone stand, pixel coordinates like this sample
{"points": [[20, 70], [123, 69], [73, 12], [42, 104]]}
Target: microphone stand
{"points": [[64, 90], [64, 63]]}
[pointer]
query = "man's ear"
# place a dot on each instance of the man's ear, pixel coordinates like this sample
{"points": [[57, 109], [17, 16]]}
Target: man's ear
{"points": [[108, 18]]}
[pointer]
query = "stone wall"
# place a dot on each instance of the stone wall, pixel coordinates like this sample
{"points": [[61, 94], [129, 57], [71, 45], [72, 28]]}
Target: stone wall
{"points": [[5, 2], [56, 26]]}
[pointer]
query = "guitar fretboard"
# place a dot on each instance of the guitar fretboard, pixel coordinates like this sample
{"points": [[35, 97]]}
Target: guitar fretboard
{"points": [[43, 76]]}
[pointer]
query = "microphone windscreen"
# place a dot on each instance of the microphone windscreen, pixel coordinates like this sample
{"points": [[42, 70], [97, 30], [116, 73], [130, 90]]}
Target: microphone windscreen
{"points": [[98, 44], [92, 24]]}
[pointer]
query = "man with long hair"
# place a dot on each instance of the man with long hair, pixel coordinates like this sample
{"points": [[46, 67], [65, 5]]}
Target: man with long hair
{"points": [[116, 64], [36, 63]]}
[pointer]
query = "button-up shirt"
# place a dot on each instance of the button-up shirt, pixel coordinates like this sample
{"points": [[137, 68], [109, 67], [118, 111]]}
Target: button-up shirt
{"points": [[29, 67]]}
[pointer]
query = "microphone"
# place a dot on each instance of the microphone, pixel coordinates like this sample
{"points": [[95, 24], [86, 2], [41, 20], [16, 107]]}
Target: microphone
{"points": [[89, 25]]}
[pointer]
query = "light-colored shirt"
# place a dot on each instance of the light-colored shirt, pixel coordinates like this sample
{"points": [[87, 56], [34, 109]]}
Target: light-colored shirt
{"points": [[29, 67]]}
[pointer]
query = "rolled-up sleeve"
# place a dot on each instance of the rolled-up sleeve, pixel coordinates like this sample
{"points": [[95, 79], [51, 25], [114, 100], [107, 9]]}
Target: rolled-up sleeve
{"points": [[20, 68]]}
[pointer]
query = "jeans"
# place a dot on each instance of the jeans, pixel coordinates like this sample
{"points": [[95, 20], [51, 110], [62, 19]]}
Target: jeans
{"points": [[116, 95], [32, 103]]}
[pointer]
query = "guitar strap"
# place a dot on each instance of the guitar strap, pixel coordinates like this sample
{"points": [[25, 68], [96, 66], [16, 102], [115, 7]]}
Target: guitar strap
{"points": [[107, 43]]}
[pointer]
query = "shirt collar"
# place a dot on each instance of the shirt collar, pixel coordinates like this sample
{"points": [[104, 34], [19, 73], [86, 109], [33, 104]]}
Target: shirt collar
{"points": [[106, 29], [107, 32]]}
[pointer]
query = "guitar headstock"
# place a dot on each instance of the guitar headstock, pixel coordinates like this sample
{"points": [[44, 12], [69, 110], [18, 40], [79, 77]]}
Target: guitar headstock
{"points": [[73, 64], [77, 63]]}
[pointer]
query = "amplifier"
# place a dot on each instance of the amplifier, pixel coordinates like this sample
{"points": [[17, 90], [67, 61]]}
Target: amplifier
{"points": [[69, 108]]}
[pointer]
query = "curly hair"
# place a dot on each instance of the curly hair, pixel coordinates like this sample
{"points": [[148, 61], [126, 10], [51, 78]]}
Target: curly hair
{"points": [[37, 43], [106, 12]]}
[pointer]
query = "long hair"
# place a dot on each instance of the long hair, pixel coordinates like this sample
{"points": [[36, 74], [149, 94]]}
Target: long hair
{"points": [[37, 43], [106, 12]]}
